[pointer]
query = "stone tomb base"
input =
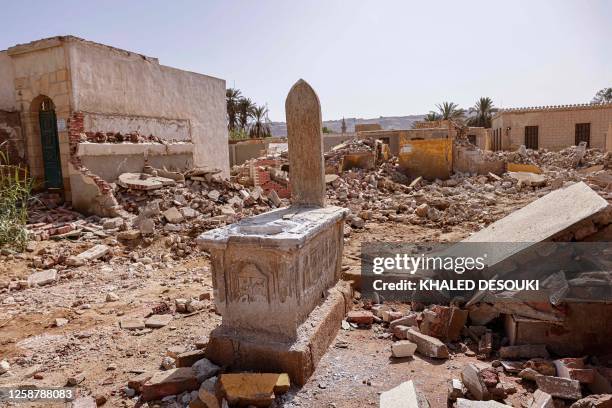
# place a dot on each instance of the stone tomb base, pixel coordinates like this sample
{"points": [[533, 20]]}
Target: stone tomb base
{"points": [[299, 358]]}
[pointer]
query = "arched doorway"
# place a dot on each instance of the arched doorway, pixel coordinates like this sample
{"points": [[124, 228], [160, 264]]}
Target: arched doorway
{"points": [[50, 143]]}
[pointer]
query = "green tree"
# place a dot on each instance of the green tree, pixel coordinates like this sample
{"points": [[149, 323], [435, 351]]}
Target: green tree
{"points": [[260, 127], [450, 110], [482, 113], [232, 96], [244, 109], [603, 96]]}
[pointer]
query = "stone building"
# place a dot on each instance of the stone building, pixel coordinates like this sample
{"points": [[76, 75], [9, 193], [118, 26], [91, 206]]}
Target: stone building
{"points": [[552, 127], [79, 113]]}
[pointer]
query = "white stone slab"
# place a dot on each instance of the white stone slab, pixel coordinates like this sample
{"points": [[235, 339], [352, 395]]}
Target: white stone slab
{"points": [[282, 228]]}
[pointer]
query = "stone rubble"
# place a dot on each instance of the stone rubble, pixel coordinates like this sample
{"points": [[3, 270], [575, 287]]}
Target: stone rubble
{"points": [[176, 211]]}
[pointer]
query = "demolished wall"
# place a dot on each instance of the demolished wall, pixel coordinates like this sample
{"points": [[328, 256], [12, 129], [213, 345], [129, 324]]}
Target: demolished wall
{"points": [[109, 82]]}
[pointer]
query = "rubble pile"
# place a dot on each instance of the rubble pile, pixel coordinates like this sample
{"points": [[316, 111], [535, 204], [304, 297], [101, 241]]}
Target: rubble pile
{"points": [[443, 332], [377, 196], [568, 158], [47, 219], [334, 157], [201, 201], [116, 137]]}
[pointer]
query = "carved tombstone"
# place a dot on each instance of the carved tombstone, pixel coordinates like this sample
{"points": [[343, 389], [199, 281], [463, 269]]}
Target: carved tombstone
{"points": [[306, 166], [272, 270]]}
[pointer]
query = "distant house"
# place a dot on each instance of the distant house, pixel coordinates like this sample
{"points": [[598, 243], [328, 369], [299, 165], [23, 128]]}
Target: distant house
{"points": [[79, 113], [552, 127]]}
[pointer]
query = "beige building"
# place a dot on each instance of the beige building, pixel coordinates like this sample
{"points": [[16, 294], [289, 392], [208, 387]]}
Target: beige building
{"points": [[552, 127], [73, 110]]}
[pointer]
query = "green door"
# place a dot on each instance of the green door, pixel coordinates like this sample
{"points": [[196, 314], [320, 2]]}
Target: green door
{"points": [[50, 149]]}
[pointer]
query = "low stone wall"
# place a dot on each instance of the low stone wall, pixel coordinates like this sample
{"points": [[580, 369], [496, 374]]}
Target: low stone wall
{"points": [[109, 160]]}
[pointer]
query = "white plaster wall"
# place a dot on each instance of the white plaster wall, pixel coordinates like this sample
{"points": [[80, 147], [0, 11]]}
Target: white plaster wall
{"points": [[111, 81], [7, 83]]}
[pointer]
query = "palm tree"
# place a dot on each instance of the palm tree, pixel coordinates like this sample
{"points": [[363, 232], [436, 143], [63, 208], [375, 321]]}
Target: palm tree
{"points": [[232, 96], [244, 110], [450, 110], [432, 116], [260, 127], [482, 113]]}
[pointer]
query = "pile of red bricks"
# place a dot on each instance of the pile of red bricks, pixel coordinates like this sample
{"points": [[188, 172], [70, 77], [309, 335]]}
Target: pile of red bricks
{"points": [[76, 129]]}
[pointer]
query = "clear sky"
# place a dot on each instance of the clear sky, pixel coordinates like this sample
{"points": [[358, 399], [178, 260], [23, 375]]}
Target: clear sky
{"points": [[364, 58]]}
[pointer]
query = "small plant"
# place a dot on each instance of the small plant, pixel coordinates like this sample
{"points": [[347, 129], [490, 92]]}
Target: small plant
{"points": [[15, 191]]}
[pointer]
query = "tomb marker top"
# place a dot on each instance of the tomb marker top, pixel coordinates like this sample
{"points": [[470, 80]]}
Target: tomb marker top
{"points": [[304, 127]]}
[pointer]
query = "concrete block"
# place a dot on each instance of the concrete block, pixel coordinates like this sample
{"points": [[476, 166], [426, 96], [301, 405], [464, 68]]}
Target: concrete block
{"points": [[404, 395], [258, 389], [427, 345], [43, 277], [403, 348], [474, 383], [170, 382], [541, 400], [559, 387], [465, 403]]}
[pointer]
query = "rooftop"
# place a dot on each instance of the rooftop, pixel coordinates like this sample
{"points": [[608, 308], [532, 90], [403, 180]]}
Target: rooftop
{"points": [[58, 40], [555, 108]]}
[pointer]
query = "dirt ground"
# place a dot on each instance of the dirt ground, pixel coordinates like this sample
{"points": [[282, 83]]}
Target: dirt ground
{"points": [[92, 342]]}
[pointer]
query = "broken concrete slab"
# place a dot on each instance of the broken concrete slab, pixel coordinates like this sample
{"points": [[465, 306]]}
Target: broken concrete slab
{"points": [[360, 317], [410, 320], [403, 348], [528, 179], [170, 382], [542, 399], [529, 374], [95, 252], [404, 395], [43, 277], [594, 401], [466, 403], [563, 365], [559, 387], [474, 383], [456, 389], [523, 351], [132, 323], [142, 181], [427, 345], [136, 382], [554, 213], [189, 358], [158, 321], [258, 389]]}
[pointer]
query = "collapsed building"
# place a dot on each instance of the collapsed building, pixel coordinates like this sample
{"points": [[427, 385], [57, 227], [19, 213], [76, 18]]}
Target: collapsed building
{"points": [[79, 113]]}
